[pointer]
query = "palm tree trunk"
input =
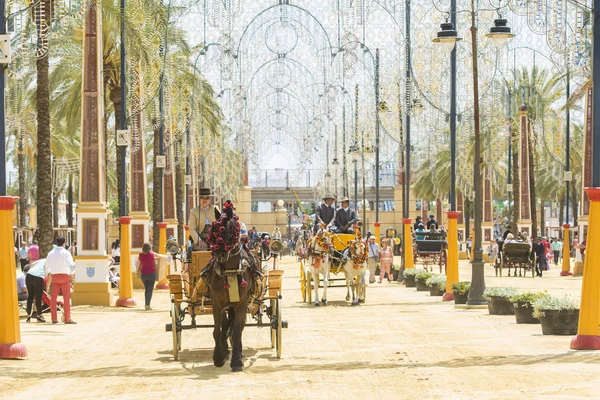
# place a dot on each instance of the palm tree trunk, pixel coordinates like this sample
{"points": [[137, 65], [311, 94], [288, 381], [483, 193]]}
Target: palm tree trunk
{"points": [[542, 219], [155, 192], [179, 193], [55, 197], [22, 191], [467, 218], [533, 199], [44, 164], [516, 179]]}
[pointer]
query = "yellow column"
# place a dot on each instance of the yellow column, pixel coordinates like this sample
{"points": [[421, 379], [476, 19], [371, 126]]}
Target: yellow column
{"points": [[126, 283], [566, 262], [588, 332], [409, 261], [10, 330], [162, 249], [452, 261], [378, 232]]}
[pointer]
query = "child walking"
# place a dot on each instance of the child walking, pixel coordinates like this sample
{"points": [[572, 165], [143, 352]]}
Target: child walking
{"points": [[386, 259]]}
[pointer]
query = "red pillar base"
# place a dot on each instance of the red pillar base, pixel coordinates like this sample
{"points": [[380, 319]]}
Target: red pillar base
{"points": [[162, 286], [585, 342], [126, 302], [448, 297], [566, 273], [13, 350]]}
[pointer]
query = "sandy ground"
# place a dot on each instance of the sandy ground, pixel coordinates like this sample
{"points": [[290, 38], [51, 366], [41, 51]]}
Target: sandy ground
{"points": [[401, 344]]}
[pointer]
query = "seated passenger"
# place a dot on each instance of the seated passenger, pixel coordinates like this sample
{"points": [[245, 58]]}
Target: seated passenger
{"points": [[510, 238], [420, 229], [345, 218]]}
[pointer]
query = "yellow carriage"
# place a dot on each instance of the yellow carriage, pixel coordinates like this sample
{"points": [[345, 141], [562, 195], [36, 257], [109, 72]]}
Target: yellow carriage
{"points": [[189, 296]]}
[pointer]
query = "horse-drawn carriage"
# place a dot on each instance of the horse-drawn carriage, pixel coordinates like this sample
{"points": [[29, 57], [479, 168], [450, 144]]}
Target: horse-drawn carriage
{"points": [[190, 296], [430, 248], [328, 253], [515, 255]]}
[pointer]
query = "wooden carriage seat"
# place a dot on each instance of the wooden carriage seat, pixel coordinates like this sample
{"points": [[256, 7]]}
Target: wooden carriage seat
{"points": [[430, 246], [342, 240], [200, 260], [516, 251]]}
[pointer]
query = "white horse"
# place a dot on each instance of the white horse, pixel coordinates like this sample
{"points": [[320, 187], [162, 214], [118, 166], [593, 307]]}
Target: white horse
{"points": [[320, 262], [356, 267]]}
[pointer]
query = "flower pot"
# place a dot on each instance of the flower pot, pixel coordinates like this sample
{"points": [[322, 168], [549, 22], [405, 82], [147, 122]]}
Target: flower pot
{"points": [[421, 285], [409, 280], [435, 290], [460, 298], [524, 313], [498, 305], [559, 322]]}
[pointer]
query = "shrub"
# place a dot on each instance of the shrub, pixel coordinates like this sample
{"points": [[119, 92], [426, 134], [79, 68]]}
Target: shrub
{"points": [[423, 275], [567, 302], [412, 271], [439, 280], [499, 292], [461, 287], [527, 297]]}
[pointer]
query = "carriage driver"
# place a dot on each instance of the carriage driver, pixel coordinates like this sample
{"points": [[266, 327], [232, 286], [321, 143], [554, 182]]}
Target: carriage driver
{"points": [[345, 217], [325, 212], [201, 219]]}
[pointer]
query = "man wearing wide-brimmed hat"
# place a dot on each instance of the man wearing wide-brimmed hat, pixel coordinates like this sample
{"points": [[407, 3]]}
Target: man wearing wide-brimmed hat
{"points": [[325, 212], [201, 218], [345, 217]]}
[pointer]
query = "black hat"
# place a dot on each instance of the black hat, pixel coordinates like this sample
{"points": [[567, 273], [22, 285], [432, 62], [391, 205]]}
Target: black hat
{"points": [[205, 192]]}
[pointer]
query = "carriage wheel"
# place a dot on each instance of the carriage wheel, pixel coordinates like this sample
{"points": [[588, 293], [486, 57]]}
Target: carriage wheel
{"points": [[302, 282], [273, 316], [279, 329], [175, 329], [307, 278]]}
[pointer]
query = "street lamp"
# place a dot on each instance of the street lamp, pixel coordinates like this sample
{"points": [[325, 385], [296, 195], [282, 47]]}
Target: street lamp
{"points": [[499, 33], [354, 152]]}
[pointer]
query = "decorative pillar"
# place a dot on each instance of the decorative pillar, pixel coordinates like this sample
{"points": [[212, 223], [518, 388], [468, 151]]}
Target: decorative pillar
{"points": [[162, 244], [586, 181], [524, 213], [126, 284], [487, 224], [439, 215], [409, 261], [588, 332], [378, 233], [566, 262], [10, 329], [452, 268], [91, 263]]}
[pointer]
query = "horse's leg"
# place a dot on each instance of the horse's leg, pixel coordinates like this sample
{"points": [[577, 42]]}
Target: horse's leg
{"points": [[354, 298], [225, 332], [326, 268], [315, 275], [218, 357], [347, 276], [239, 317]]}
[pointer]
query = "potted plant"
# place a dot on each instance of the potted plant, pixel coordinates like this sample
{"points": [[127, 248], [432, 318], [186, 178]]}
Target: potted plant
{"points": [[461, 292], [409, 276], [523, 305], [437, 285], [498, 299], [421, 281], [558, 315], [395, 271]]}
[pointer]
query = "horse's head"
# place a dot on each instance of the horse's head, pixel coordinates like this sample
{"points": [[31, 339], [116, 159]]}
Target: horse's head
{"points": [[224, 234], [359, 247]]}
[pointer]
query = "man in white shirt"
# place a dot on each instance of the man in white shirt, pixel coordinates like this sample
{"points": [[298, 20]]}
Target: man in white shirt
{"points": [[373, 258], [60, 268]]}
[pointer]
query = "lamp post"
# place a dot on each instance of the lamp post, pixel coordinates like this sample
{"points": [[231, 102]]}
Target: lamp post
{"points": [[500, 34], [355, 154]]}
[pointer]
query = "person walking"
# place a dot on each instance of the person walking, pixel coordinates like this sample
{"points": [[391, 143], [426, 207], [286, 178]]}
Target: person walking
{"points": [[373, 258], [116, 251], [33, 252], [540, 252], [386, 259], [22, 293], [35, 287], [60, 267], [73, 248], [146, 269], [556, 250], [23, 256]]}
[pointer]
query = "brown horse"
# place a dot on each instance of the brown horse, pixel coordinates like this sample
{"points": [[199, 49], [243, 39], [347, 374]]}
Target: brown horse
{"points": [[230, 258]]}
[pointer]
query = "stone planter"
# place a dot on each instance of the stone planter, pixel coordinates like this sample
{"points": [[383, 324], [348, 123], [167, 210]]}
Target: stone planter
{"points": [[524, 313], [421, 285], [435, 290], [498, 305], [409, 280], [559, 322], [460, 298]]}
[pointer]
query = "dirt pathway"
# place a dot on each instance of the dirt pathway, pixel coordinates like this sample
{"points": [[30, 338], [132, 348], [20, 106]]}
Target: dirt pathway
{"points": [[401, 344]]}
